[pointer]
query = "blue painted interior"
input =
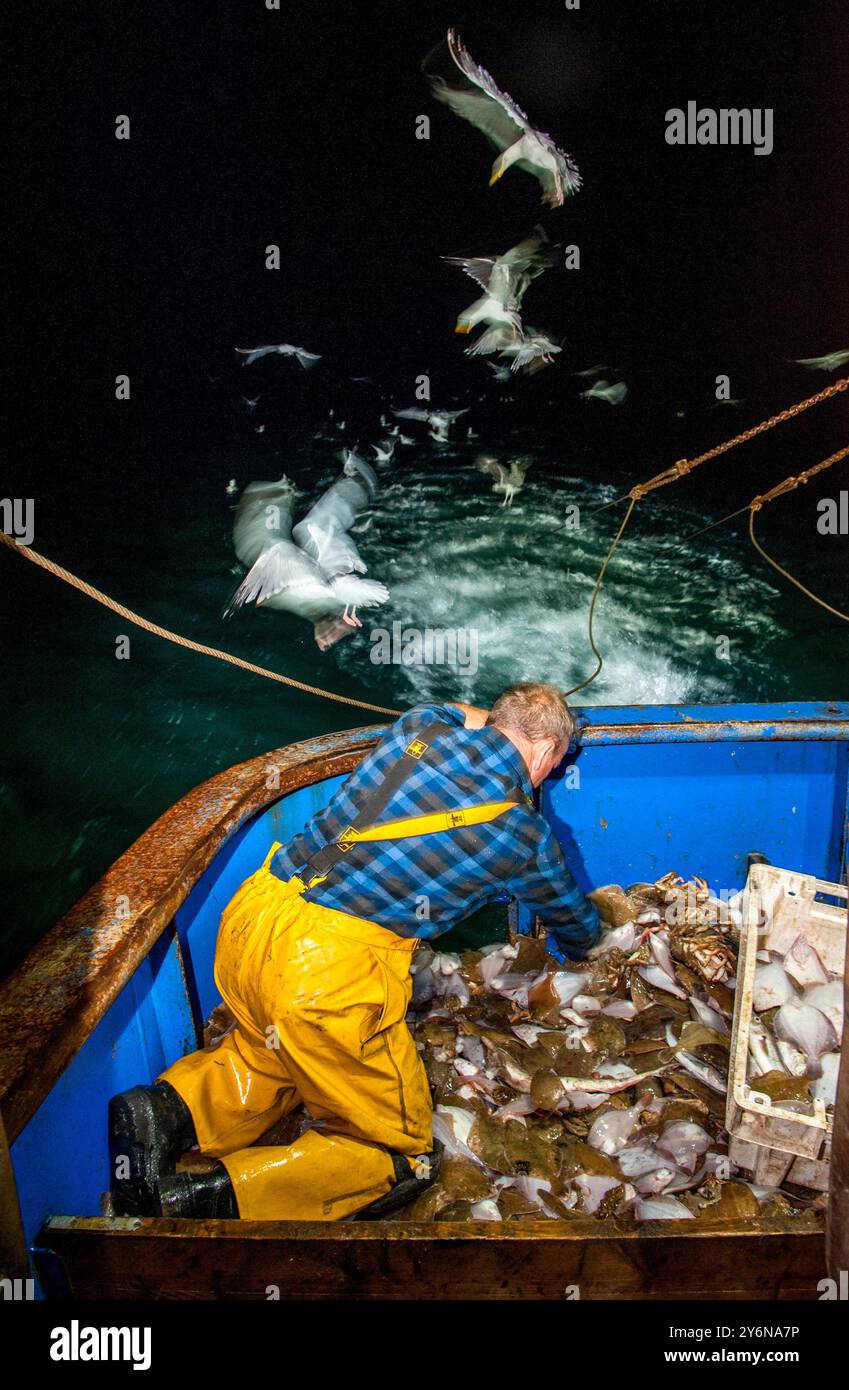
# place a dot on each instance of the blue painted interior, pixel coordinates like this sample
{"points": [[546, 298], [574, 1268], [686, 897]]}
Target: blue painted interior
{"points": [[640, 810], [624, 811]]}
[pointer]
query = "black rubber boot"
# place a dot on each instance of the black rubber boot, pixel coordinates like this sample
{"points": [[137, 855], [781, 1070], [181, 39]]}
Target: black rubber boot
{"points": [[149, 1128], [412, 1177], [201, 1195]]}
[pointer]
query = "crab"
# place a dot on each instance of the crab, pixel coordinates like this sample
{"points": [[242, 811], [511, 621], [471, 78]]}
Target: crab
{"points": [[705, 950]]}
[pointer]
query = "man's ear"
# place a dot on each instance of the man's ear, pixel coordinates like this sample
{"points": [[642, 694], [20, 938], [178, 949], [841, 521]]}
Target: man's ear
{"points": [[541, 751]]}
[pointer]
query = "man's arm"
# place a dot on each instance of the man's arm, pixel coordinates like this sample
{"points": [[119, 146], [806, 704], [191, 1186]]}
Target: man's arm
{"points": [[474, 716], [545, 886]]}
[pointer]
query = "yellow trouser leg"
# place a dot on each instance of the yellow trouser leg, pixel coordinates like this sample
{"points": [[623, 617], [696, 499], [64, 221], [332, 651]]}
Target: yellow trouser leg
{"points": [[320, 1177], [320, 999], [235, 1091], [240, 1088]]}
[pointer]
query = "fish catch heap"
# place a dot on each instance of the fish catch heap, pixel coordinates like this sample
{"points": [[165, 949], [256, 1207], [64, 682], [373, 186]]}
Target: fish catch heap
{"points": [[594, 1087]]}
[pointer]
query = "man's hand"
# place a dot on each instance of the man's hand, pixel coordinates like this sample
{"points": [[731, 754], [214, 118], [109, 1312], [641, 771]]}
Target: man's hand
{"points": [[475, 717]]}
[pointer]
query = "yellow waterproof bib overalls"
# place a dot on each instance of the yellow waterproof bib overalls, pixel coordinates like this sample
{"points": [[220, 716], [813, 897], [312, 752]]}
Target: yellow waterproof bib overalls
{"points": [[320, 999]]}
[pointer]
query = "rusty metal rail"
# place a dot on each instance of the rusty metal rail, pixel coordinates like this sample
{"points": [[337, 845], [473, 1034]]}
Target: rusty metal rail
{"points": [[52, 1002]]}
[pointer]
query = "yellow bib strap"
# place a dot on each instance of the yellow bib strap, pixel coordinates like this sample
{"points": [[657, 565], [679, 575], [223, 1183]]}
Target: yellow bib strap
{"points": [[409, 826], [367, 826], [427, 825], [278, 844]]}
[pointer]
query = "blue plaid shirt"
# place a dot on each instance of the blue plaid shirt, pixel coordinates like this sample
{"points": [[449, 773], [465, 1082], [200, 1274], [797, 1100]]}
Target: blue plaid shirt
{"points": [[423, 885]]}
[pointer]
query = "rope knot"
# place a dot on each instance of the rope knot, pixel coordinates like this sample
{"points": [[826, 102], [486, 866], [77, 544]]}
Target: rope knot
{"points": [[682, 466]]}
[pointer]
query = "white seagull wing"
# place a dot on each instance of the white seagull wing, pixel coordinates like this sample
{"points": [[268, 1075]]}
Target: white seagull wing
{"points": [[482, 102], [332, 549], [478, 267], [278, 568], [253, 354]]}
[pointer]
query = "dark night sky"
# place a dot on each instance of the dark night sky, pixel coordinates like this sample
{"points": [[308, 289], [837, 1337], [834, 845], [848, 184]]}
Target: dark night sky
{"points": [[297, 127]]}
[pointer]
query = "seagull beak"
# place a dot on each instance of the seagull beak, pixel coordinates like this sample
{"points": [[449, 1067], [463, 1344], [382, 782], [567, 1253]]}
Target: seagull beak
{"points": [[496, 176], [463, 328]]}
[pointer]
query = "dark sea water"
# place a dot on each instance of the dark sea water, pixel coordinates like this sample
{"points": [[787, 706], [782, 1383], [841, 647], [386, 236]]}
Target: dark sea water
{"points": [[95, 748]]}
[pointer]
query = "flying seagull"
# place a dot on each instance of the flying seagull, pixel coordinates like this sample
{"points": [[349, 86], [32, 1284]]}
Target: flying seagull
{"points": [[603, 391], [506, 126], [384, 451], [533, 347], [313, 571], [306, 359], [494, 339], [507, 482], [504, 280], [829, 363], [440, 421], [525, 348], [592, 371]]}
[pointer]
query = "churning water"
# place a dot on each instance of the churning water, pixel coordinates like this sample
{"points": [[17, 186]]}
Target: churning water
{"points": [[95, 748]]}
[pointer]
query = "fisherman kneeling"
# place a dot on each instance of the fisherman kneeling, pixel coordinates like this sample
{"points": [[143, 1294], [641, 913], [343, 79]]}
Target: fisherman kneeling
{"points": [[313, 960]]}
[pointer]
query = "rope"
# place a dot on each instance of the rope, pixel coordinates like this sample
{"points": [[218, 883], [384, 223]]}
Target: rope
{"points": [[786, 486], [175, 637], [678, 470], [597, 654], [776, 566], [682, 467]]}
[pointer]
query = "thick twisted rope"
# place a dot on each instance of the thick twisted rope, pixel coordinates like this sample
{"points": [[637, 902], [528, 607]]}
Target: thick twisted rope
{"points": [[682, 467], [678, 470], [175, 637]]}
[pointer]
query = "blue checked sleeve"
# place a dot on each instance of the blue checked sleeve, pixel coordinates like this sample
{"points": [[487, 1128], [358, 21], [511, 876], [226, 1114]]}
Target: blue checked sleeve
{"points": [[546, 887], [414, 720]]}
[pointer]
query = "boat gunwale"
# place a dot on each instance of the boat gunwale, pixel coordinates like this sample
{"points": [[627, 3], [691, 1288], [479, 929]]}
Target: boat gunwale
{"points": [[55, 998], [766, 1259], [53, 1001], [581, 1228]]}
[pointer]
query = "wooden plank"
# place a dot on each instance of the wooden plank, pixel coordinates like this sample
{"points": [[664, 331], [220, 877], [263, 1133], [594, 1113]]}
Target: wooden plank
{"points": [[143, 1259]]}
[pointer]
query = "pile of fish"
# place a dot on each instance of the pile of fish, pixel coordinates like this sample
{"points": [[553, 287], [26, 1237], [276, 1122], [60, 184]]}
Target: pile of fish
{"points": [[795, 1033], [590, 1088]]}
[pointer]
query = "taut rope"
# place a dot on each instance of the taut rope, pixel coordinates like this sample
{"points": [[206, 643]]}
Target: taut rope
{"points": [[175, 637], [670, 475]]}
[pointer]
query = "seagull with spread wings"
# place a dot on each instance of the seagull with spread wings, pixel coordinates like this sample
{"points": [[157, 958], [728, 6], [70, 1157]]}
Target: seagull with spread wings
{"points": [[313, 571], [829, 363], [529, 349], [603, 391], [509, 483], [440, 421], [504, 280], [506, 126], [306, 359]]}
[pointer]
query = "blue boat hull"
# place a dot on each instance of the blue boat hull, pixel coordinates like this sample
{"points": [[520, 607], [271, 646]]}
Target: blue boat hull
{"points": [[652, 789]]}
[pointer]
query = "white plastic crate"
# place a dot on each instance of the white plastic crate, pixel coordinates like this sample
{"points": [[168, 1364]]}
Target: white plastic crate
{"points": [[778, 906]]}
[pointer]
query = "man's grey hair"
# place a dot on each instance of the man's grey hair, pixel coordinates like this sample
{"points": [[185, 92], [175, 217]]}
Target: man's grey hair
{"points": [[535, 710]]}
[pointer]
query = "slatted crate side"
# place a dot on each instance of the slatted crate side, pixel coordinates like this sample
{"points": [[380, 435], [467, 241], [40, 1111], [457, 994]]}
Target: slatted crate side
{"points": [[778, 904]]}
